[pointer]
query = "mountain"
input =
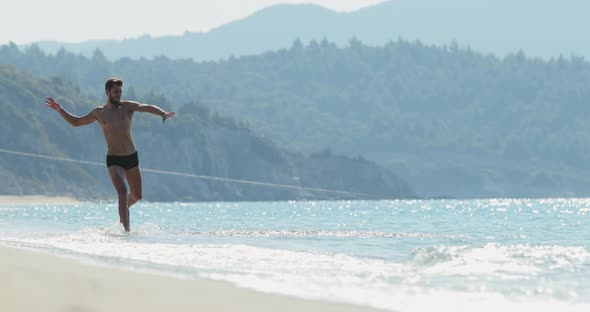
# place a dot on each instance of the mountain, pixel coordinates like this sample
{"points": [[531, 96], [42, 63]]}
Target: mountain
{"points": [[196, 142], [541, 28]]}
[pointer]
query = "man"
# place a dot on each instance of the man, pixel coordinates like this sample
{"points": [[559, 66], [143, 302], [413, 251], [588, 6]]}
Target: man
{"points": [[115, 119]]}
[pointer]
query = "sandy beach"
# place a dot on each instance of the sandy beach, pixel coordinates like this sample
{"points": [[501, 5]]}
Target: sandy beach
{"points": [[36, 281], [6, 200]]}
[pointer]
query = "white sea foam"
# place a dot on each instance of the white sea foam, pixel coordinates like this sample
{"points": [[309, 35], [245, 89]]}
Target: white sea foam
{"points": [[319, 233], [494, 258]]}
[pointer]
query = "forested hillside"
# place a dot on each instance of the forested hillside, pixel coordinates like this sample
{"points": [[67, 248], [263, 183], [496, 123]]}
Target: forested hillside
{"points": [[453, 121], [197, 141]]}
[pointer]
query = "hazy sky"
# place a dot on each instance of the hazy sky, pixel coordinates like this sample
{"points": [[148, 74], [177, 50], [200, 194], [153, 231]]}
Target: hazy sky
{"points": [[24, 21]]}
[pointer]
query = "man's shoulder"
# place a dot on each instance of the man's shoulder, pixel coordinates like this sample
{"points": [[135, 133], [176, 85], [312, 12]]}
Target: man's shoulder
{"points": [[131, 105], [97, 109], [127, 102]]}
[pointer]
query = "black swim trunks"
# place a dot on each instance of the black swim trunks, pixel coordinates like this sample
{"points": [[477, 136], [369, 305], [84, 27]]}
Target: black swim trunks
{"points": [[127, 162]]}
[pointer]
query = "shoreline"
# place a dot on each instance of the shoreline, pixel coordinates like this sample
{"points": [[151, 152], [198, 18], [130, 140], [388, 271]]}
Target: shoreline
{"points": [[63, 284], [7, 200]]}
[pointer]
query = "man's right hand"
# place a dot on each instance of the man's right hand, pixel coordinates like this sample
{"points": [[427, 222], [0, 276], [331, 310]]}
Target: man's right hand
{"points": [[53, 104]]}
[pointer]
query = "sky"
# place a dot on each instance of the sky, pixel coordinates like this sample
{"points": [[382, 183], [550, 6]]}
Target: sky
{"points": [[26, 21]]}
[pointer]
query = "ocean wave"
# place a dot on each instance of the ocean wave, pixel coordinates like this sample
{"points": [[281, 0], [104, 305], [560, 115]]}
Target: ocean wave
{"points": [[318, 233], [519, 259]]}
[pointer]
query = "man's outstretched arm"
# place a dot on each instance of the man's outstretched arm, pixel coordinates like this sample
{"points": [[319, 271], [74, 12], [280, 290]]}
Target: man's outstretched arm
{"points": [[75, 121], [152, 109]]}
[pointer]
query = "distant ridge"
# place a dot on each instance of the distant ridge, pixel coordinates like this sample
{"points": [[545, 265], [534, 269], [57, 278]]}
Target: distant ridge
{"points": [[541, 28]]}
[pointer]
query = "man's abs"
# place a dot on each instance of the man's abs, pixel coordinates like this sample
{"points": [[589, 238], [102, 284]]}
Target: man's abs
{"points": [[120, 146]]}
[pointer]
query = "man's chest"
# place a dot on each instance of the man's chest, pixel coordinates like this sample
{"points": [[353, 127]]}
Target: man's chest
{"points": [[116, 118]]}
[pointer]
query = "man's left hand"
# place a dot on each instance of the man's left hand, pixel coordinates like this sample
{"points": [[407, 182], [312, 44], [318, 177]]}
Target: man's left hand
{"points": [[167, 115]]}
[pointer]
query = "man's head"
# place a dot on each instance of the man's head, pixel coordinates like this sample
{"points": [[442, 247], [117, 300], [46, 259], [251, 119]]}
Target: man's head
{"points": [[114, 89]]}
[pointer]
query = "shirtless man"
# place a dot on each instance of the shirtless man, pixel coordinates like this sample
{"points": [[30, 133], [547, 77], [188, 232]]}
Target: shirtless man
{"points": [[115, 119]]}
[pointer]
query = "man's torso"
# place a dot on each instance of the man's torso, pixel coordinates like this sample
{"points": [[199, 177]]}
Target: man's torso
{"points": [[116, 127]]}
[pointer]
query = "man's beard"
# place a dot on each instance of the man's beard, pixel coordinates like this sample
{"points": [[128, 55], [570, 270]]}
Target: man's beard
{"points": [[115, 102]]}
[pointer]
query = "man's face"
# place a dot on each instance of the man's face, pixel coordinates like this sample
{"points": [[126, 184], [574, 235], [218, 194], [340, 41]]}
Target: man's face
{"points": [[115, 95]]}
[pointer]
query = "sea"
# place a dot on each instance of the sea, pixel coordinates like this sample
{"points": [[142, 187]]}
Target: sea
{"points": [[395, 255]]}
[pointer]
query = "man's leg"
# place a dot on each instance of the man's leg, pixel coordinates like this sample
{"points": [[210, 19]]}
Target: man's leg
{"points": [[118, 178], [133, 176]]}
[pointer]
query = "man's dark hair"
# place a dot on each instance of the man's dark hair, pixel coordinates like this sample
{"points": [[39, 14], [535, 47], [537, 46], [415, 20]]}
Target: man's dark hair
{"points": [[111, 82]]}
